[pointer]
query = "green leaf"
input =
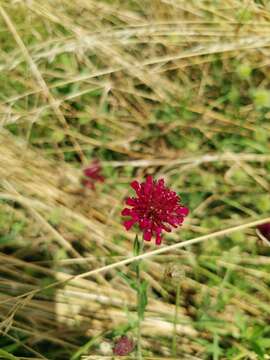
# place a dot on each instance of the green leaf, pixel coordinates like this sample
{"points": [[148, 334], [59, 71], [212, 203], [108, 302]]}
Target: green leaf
{"points": [[6, 239], [136, 246], [132, 283], [5, 355], [143, 298], [86, 347], [264, 343], [258, 349]]}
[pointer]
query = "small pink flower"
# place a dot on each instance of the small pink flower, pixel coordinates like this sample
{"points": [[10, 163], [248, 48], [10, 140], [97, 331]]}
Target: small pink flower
{"points": [[156, 208], [93, 174], [123, 346], [264, 229]]}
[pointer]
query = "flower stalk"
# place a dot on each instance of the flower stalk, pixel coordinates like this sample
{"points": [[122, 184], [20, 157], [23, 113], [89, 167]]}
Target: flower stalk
{"points": [[141, 294], [155, 209], [174, 339]]}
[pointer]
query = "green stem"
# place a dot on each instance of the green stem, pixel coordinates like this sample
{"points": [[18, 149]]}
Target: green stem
{"points": [[139, 332], [139, 305], [175, 319]]}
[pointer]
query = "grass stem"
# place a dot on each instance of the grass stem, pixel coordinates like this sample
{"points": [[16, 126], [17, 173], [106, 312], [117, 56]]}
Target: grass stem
{"points": [[177, 300]]}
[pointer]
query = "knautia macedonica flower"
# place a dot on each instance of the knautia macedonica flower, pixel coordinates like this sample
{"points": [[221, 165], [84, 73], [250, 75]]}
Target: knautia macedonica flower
{"points": [[264, 229], [123, 346], [93, 174], [156, 208]]}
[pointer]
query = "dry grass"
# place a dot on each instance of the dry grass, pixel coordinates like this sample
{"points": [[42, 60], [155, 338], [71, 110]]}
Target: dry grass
{"points": [[173, 88]]}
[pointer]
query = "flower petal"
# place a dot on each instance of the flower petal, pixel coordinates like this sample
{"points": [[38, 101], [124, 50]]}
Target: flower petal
{"points": [[129, 223], [166, 228], [148, 185], [92, 172], [136, 186], [160, 182], [265, 230], [144, 223], [131, 201], [100, 178], [155, 208], [89, 184], [183, 211], [158, 236], [126, 212], [147, 235]]}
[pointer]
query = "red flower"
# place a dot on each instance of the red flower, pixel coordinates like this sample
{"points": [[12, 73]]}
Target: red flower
{"points": [[93, 174], [123, 346], [156, 208], [265, 230]]}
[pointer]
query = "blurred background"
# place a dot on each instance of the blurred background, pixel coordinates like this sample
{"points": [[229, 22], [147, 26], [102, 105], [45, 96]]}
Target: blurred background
{"points": [[176, 89]]}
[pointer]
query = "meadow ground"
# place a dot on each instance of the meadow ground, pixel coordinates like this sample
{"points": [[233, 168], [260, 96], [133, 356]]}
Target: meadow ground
{"points": [[176, 89]]}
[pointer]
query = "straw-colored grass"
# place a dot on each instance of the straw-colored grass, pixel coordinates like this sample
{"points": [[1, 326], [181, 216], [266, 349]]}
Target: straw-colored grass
{"points": [[171, 88]]}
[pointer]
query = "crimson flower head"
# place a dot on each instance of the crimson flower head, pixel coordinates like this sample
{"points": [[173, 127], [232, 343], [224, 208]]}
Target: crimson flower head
{"points": [[156, 208], [265, 230], [93, 174], [123, 346]]}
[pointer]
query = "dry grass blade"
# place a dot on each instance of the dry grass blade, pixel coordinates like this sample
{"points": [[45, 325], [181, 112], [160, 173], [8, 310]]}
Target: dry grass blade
{"points": [[168, 88]]}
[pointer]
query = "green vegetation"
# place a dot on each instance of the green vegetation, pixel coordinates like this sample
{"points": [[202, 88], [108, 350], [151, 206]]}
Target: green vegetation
{"points": [[176, 89]]}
